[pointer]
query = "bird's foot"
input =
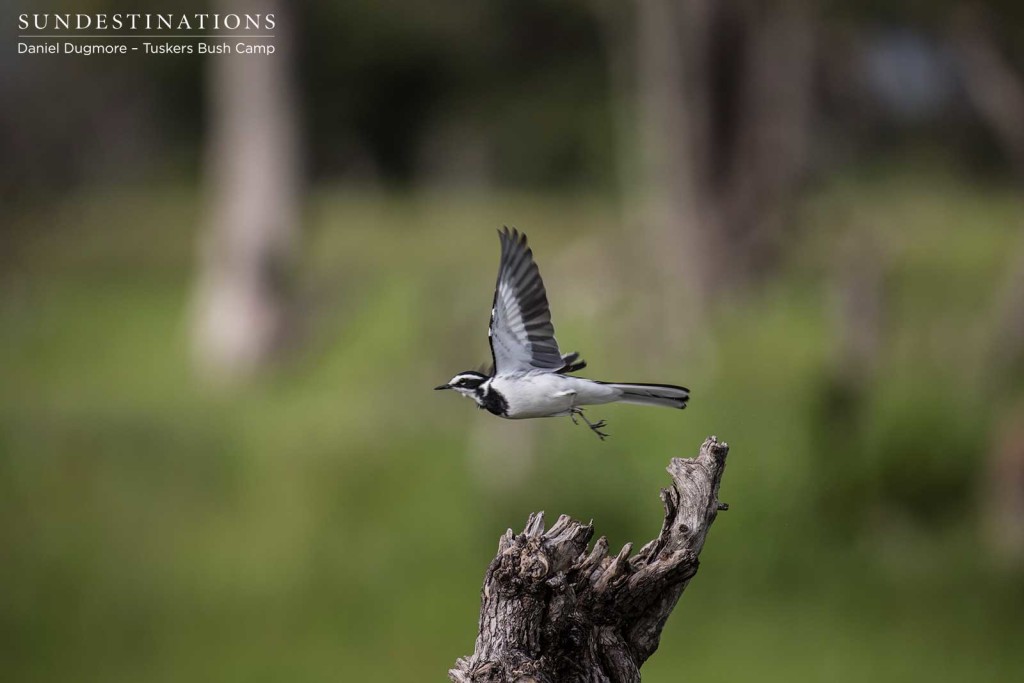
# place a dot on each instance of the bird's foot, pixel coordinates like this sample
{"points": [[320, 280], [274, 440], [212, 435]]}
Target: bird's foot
{"points": [[594, 426]]}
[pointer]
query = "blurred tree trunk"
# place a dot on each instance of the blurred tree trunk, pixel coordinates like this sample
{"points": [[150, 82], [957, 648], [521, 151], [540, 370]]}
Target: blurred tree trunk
{"points": [[672, 119], [1003, 489], [996, 90], [253, 175], [724, 102], [858, 307], [1006, 354], [769, 141], [993, 85], [856, 311]]}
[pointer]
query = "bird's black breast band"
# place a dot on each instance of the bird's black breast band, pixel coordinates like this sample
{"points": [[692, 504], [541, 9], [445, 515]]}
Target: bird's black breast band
{"points": [[492, 401]]}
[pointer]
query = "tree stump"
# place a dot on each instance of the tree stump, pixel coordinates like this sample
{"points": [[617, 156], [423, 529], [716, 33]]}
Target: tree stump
{"points": [[551, 612]]}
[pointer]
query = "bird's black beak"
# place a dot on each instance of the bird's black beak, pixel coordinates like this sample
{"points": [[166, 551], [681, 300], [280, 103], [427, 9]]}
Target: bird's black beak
{"points": [[443, 386]]}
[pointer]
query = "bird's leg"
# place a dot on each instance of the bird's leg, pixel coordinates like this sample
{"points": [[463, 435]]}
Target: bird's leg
{"points": [[594, 426]]}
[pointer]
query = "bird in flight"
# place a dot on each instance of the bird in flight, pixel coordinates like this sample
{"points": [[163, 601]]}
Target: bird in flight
{"points": [[530, 377]]}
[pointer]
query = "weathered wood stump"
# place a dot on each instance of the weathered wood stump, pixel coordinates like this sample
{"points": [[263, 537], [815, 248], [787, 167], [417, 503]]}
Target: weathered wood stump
{"points": [[553, 613]]}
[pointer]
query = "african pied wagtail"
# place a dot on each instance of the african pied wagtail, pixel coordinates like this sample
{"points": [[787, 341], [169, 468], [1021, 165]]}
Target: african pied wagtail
{"points": [[530, 377]]}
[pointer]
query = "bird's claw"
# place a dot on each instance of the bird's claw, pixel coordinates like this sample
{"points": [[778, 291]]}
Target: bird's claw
{"points": [[594, 426]]}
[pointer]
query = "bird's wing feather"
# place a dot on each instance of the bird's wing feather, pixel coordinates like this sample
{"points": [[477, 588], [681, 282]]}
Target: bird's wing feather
{"points": [[521, 334]]}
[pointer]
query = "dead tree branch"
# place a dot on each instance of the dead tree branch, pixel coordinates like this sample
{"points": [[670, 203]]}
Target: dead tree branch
{"points": [[551, 612]]}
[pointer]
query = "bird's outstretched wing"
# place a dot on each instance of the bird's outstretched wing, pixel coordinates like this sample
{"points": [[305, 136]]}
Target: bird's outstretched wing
{"points": [[521, 334]]}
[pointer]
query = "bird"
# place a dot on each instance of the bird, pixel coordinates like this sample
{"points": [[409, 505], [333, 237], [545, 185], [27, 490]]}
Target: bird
{"points": [[529, 376]]}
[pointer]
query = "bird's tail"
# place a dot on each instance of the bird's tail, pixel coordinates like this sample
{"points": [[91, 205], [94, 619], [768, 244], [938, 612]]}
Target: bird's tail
{"points": [[667, 395]]}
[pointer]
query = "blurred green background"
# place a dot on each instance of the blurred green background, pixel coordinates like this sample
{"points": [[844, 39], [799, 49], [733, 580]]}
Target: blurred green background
{"points": [[808, 214]]}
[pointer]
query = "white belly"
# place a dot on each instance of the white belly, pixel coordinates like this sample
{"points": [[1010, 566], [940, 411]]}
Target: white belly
{"points": [[549, 395]]}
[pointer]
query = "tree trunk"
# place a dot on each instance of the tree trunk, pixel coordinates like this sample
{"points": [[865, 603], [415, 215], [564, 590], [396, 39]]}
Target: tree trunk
{"points": [[997, 93], [672, 118], [724, 111], [996, 90], [993, 85], [1002, 497], [767, 145], [253, 174], [553, 613]]}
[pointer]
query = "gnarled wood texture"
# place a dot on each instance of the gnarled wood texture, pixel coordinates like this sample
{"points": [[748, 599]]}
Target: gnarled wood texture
{"points": [[551, 612]]}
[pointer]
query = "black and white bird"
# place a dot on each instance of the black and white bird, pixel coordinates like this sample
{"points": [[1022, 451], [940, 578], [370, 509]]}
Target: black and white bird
{"points": [[530, 376]]}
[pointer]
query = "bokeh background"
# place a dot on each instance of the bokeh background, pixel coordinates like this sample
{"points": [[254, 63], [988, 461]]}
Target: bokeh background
{"points": [[228, 285]]}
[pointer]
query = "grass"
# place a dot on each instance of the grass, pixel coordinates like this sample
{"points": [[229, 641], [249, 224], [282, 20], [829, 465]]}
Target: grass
{"points": [[334, 519]]}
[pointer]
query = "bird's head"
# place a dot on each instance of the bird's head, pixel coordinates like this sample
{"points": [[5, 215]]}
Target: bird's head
{"points": [[466, 383]]}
